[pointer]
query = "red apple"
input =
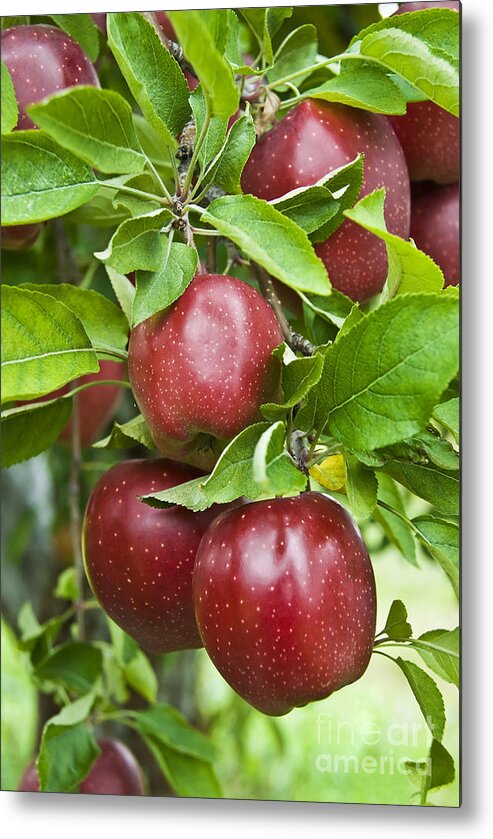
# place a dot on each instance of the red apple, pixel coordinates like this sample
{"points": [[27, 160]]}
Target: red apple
{"points": [[434, 4], [201, 370], [42, 60], [285, 600], [114, 772], [20, 238], [139, 560], [435, 221], [315, 138], [429, 136], [96, 405]]}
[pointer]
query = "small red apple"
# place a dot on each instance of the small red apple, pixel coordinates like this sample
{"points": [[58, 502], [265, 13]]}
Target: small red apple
{"points": [[435, 222], [21, 237], [285, 600], [431, 4], [429, 136], [139, 560], [114, 772], [201, 369], [312, 140], [42, 60], [97, 405]]}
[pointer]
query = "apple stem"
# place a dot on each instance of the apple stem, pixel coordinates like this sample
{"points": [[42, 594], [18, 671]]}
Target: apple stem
{"points": [[297, 342]]}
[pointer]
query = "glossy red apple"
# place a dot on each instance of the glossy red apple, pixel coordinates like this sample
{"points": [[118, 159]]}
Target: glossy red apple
{"points": [[201, 370], [435, 222], [285, 600], [114, 772], [139, 560], [42, 60], [21, 237], [312, 140], [429, 136]]}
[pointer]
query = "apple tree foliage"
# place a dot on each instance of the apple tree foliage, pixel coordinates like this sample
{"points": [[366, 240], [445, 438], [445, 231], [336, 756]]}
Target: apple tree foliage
{"points": [[369, 413]]}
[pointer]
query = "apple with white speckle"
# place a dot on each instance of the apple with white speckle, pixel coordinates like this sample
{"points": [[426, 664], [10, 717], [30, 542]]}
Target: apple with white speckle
{"points": [[429, 135], [201, 369], [312, 140], [114, 772], [285, 600], [42, 60], [435, 222], [139, 560]]}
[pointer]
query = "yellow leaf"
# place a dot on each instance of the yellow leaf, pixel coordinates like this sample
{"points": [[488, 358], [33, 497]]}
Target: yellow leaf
{"points": [[331, 473]]}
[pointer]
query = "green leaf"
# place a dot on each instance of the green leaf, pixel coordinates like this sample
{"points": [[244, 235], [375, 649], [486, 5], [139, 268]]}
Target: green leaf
{"points": [[10, 111], [152, 74], [427, 695], [318, 209], [264, 24], [67, 587], [45, 345], [170, 726], [309, 208], [448, 415], [442, 539], [96, 125], [441, 764], [410, 270], [423, 448], [299, 49], [439, 487], [40, 180], [74, 665], [395, 529], [396, 626], [382, 378], [271, 239], [105, 324], [137, 244], [361, 487], [335, 308], [133, 433], [273, 468], [215, 135], [141, 677], [29, 430], [124, 291], [66, 756], [138, 205], [159, 289], [422, 48], [82, 29], [362, 85], [188, 776], [231, 478], [299, 376], [239, 143], [99, 211], [443, 662], [19, 699], [195, 32]]}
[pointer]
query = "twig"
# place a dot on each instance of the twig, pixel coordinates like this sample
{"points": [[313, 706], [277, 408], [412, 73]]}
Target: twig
{"points": [[293, 339], [66, 258], [211, 258]]}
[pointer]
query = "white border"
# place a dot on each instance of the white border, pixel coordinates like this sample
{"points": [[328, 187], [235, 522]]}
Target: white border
{"points": [[79, 816]]}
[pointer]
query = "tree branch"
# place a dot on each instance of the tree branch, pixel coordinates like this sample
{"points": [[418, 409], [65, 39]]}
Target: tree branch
{"points": [[293, 339]]}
